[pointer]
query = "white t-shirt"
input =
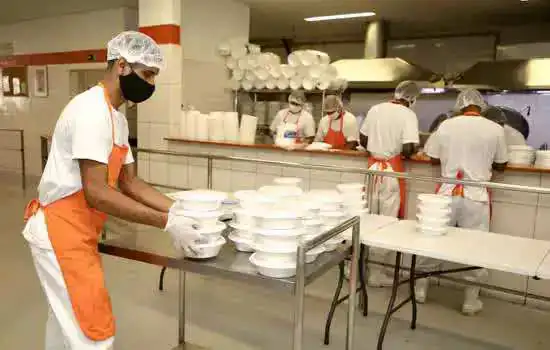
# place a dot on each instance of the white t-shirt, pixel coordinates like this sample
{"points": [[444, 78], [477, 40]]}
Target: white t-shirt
{"points": [[388, 127], [514, 137], [470, 144], [83, 131], [350, 128], [306, 124]]}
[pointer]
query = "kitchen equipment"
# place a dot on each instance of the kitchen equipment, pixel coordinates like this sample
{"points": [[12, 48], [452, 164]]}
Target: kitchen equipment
{"points": [[333, 243], [247, 132], [275, 270], [207, 250]]}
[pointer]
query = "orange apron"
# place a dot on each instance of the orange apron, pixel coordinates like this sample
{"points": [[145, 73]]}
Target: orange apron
{"points": [[397, 165], [458, 189], [336, 138], [74, 230], [297, 139]]}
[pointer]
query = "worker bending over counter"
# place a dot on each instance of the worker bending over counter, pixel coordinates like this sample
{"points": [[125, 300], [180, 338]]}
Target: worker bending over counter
{"points": [[390, 131], [338, 127], [294, 122], [468, 147]]}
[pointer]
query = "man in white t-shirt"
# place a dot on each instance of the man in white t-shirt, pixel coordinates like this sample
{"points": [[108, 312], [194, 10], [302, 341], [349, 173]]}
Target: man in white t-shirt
{"points": [[294, 123], [468, 147], [390, 131], [338, 127], [90, 174]]}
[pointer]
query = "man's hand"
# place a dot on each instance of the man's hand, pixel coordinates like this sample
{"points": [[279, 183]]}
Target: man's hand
{"points": [[183, 231]]}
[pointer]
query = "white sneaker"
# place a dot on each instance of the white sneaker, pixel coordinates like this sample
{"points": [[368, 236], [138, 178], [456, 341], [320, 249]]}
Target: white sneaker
{"points": [[421, 290], [378, 279], [472, 305]]}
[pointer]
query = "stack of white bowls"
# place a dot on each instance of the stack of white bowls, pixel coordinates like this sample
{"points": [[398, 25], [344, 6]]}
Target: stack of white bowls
{"points": [[331, 214], [434, 213], [543, 159], [277, 234], [521, 155], [204, 207], [353, 195], [243, 222]]}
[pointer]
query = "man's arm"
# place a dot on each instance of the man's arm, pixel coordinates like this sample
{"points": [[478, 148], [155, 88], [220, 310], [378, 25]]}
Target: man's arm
{"points": [[134, 187], [364, 140], [104, 198]]}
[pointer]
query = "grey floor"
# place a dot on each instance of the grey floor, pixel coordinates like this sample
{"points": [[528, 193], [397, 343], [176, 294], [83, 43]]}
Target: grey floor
{"points": [[224, 315]]}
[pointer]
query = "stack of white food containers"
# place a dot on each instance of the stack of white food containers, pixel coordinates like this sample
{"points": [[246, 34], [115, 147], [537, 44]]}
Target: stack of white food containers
{"points": [[434, 213], [204, 207], [331, 214], [521, 155], [543, 159], [354, 202], [243, 222]]}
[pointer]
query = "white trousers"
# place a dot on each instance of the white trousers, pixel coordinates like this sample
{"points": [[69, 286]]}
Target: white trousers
{"points": [[62, 329], [386, 201], [469, 214]]}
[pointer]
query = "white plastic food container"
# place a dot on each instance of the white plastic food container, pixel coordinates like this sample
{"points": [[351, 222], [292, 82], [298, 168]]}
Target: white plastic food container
{"points": [[430, 221], [434, 212], [208, 250], [206, 219], [278, 239], [241, 244], [351, 188], [275, 270], [272, 254], [281, 191], [432, 231], [332, 218], [278, 220], [241, 231], [212, 232], [200, 200], [434, 200], [355, 206], [243, 217]]}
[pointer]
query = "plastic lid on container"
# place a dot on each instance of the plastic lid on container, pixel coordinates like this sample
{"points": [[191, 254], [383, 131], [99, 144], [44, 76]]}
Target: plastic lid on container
{"points": [[200, 196], [278, 214], [279, 233], [210, 230], [270, 264]]}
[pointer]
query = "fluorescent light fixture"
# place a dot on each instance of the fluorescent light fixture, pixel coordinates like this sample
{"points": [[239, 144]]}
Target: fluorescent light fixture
{"points": [[342, 16]]}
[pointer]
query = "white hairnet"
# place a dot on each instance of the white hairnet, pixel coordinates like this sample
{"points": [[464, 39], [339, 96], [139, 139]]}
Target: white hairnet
{"points": [[470, 97], [135, 47], [333, 103], [407, 90], [297, 97]]}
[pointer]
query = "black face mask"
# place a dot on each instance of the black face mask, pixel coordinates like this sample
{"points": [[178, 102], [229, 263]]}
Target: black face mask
{"points": [[134, 88]]}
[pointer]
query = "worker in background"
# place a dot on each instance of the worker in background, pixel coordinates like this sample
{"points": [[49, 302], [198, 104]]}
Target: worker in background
{"points": [[390, 132], [338, 127], [294, 122], [90, 174], [468, 147]]}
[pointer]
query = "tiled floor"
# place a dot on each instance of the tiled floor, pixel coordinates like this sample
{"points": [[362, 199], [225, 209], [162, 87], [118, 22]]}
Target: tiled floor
{"points": [[229, 316]]}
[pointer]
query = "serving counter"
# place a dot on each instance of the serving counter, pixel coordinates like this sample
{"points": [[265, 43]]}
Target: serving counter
{"points": [[514, 213]]}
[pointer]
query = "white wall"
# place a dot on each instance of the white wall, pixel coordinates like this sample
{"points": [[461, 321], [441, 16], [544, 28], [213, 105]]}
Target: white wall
{"points": [[205, 25], [37, 116]]}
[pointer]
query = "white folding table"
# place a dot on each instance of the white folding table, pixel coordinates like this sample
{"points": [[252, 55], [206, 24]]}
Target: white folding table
{"points": [[479, 249]]}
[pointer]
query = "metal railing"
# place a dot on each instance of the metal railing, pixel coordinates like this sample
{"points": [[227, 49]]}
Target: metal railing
{"points": [[21, 151]]}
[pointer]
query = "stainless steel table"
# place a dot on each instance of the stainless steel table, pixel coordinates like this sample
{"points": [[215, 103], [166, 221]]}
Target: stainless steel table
{"points": [[153, 246]]}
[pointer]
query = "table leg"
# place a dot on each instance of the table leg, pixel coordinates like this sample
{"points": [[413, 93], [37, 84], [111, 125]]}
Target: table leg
{"points": [[364, 294], [181, 307], [391, 302], [412, 292], [299, 295], [161, 278], [334, 303], [353, 287]]}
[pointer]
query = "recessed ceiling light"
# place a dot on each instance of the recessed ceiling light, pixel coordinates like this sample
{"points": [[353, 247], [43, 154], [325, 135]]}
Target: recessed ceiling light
{"points": [[342, 16]]}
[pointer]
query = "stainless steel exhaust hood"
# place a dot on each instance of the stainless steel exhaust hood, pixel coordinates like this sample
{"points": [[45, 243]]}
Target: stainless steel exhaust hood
{"points": [[532, 74], [377, 72], [382, 73]]}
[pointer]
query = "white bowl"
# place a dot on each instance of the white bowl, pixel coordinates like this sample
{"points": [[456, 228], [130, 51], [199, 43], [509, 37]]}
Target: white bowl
{"points": [[430, 221], [332, 218], [288, 181], [273, 270], [432, 231], [200, 200], [313, 227], [241, 244], [243, 217], [208, 250], [333, 243], [434, 212], [270, 254], [206, 219], [278, 220], [351, 188], [278, 239], [212, 232]]}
